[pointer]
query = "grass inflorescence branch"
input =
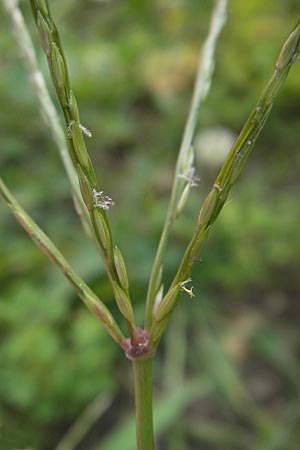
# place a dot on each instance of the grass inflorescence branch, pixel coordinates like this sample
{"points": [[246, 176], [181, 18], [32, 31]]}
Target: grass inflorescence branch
{"points": [[95, 200], [91, 300], [229, 173], [48, 109], [184, 177]]}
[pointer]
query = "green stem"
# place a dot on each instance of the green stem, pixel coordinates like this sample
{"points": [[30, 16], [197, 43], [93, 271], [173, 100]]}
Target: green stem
{"points": [[142, 373]]}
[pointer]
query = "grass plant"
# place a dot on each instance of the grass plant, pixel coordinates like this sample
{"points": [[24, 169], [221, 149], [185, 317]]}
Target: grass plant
{"points": [[141, 340]]}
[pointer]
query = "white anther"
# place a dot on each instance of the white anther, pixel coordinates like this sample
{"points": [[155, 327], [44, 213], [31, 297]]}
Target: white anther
{"points": [[185, 289], [85, 130], [101, 200], [218, 187], [190, 177], [69, 128]]}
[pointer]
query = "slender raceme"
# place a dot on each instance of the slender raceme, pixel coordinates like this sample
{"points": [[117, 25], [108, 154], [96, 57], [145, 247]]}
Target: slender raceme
{"points": [[229, 173], [49, 113], [91, 300], [184, 171], [95, 200]]}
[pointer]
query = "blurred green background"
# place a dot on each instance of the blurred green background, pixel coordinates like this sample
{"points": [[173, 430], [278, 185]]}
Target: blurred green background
{"points": [[227, 373]]}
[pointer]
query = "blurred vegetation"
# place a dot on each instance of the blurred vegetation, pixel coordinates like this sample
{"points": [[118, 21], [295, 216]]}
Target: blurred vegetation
{"points": [[227, 373]]}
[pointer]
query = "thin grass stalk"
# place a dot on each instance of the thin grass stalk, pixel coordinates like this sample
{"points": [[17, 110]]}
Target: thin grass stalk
{"points": [[48, 109], [184, 166], [228, 175], [142, 376], [95, 200], [91, 300]]}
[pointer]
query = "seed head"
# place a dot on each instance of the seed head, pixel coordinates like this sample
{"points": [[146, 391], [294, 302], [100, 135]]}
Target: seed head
{"points": [[42, 7], [167, 304], [123, 302], [45, 34], [288, 52], [79, 144], [73, 107], [85, 189], [207, 208], [121, 268], [102, 229], [58, 66]]}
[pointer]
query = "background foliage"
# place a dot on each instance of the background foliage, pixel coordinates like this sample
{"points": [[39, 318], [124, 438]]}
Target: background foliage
{"points": [[227, 373]]}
